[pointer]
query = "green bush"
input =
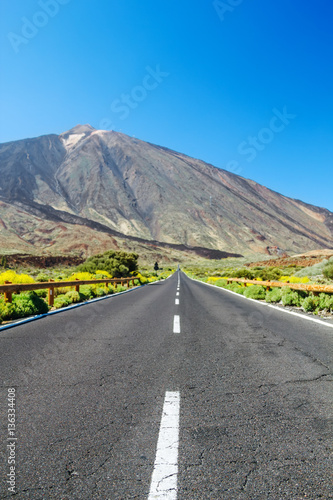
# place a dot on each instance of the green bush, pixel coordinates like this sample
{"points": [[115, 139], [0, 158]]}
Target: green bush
{"points": [[216, 281], [7, 311], [220, 282], [87, 292], [117, 263], [61, 301], [328, 271], [28, 304], [25, 304], [291, 297], [310, 303], [100, 292], [242, 273], [73, 296], [234, 287], [255, 292], [273, 295], [42, 278], [143, 280], [270, 273], [41, 293], [326, 301]]}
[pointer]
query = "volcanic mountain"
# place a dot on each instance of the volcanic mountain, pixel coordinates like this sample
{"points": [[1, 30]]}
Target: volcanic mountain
{"points": [[91, 182]]}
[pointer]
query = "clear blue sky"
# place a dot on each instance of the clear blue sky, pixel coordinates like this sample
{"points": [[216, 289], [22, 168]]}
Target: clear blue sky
{"points": [[224, 74]]}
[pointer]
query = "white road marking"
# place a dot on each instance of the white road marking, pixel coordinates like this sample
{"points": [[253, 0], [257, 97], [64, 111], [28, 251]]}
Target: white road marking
{"points": [[177, 293], [164, 478], [177, 302], [176, 324]]}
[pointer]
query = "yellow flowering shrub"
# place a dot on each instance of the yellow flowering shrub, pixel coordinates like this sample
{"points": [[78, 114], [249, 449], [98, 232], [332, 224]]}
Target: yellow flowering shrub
{"points": [[15, 277], [212, 279], [81, 276], [102, 274], [294, 279]]}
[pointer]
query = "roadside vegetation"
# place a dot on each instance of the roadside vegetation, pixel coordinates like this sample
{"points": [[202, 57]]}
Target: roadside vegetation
{"points": [[109, 265], [320, 273]]}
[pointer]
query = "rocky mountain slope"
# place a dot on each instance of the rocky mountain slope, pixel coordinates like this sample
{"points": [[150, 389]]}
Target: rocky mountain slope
{"points": [[110, 185]]}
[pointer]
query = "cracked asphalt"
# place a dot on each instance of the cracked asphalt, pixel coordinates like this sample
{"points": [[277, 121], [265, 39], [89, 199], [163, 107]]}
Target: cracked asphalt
{"points": [[255, 398]]}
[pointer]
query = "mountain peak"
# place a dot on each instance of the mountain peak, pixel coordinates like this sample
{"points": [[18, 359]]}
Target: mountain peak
{"points": [[138, 189], [80, 129]]}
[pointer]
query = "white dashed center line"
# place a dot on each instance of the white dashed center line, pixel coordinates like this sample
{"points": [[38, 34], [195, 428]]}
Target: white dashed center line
{"points": [[177, 293], [177, 302], [176, 324], [164, 479]]}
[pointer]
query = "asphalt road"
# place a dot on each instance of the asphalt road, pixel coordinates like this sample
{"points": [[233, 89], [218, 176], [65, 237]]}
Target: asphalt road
{"points": [[244, 391]]}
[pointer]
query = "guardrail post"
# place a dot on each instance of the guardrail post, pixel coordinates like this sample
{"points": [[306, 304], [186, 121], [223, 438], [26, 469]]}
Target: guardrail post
{"points": [[128, 283], [50, 295], [268, 287], [77, 287], [8, 295]]}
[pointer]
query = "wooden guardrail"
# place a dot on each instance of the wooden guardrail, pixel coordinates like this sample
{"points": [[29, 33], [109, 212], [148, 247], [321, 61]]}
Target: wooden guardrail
{"points": [[316, 289], [9, 288]]}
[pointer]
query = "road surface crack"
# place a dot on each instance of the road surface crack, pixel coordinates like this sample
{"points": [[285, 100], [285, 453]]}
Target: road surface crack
{"points": [[308, 380], [163, 479], [247, 476]]}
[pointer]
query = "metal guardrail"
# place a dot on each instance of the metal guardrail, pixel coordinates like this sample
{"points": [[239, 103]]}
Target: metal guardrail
{"points": [[9, 288], [316, 289]]}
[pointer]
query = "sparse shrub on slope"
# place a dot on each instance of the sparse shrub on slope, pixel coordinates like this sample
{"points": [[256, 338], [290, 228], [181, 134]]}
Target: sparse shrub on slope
{"points": [[269, 273], [316, 269], [42, 278], [243, 273], [328, 271]]}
